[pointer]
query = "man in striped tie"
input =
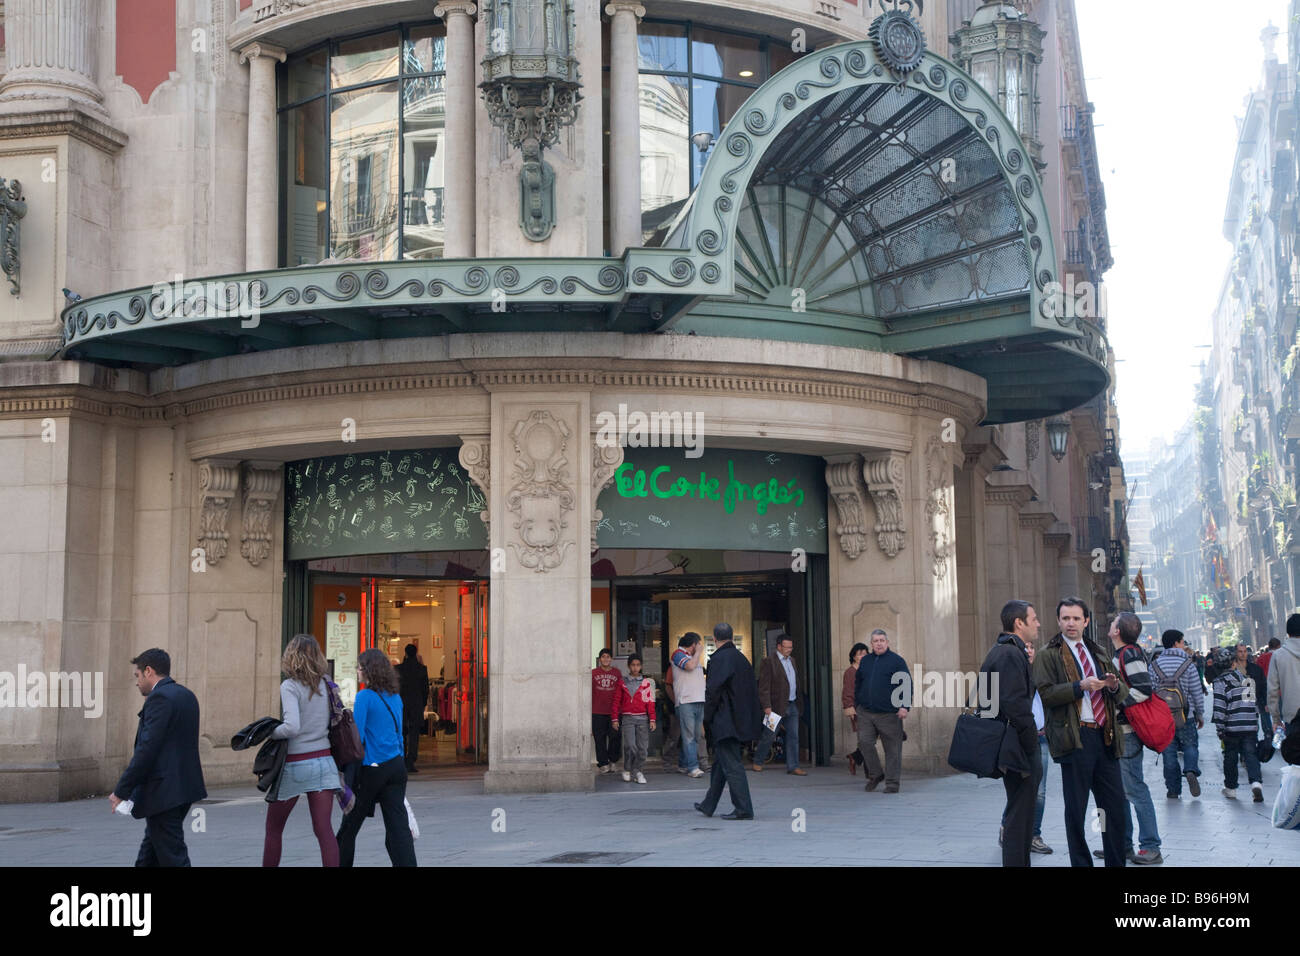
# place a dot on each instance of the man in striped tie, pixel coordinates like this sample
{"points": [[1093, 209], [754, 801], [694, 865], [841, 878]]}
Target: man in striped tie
{"points": [[1081, 692]]}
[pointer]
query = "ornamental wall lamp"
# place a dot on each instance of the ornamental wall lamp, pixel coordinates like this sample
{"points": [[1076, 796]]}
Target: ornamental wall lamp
{"points": [[703, 140], [1058, 433], [531, 87], [12, 209]]}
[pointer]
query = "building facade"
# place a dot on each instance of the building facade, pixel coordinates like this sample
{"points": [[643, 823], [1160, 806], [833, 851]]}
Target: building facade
{"points": [[518, 330]]}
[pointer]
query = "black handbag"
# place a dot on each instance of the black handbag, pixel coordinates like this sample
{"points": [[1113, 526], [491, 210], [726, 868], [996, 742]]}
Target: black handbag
{"points": [[1264, 749], [345, 740]]}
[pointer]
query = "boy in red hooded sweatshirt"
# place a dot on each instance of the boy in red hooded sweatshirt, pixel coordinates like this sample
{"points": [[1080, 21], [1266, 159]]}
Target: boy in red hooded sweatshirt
{"points": [[605, 680], [634, 707]]}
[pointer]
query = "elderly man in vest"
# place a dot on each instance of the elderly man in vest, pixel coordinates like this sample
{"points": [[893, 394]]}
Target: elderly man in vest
{"points": [[1081, 692]]}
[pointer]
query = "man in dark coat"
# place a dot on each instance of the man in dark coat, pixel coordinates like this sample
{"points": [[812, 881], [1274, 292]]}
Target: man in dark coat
{"points": [[1008, 662], [781, 692], [732, 714], [413, 686], [164, 776]]}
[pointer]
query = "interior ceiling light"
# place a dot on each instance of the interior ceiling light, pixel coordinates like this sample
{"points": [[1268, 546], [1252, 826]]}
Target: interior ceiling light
{"points": [[746, 73]]}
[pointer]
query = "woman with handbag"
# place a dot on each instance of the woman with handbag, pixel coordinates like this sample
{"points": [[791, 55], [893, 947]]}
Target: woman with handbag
{"points": [[856, 653], [308, 768], [382, 777]]}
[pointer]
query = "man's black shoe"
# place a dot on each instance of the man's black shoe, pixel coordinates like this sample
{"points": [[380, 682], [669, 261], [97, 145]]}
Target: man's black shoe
{"points": [[733, 815], [1193, 784], [412, 769], [700, 807]]}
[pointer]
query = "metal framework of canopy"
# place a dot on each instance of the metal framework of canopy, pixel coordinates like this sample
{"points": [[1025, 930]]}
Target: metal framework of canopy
{"points": [[842, 204]]}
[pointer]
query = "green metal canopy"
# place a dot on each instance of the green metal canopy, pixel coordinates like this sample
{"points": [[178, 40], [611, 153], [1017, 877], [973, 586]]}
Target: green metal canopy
{"points": [[843, 204]]}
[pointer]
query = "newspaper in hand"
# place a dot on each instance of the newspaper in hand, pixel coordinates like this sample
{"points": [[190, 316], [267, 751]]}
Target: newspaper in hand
{"points": [[124, 807], [771, 720]]}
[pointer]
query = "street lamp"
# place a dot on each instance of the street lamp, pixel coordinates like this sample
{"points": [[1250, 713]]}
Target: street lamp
{"points": [[531, 88], [1058, 432]]}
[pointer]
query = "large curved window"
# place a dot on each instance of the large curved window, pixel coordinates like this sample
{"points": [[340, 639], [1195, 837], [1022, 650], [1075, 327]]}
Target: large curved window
{"points": [[692, 81], [362, 126]]}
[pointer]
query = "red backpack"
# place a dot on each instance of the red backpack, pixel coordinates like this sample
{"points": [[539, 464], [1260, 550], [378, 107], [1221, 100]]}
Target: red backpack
{"points": [[1151, 720]]}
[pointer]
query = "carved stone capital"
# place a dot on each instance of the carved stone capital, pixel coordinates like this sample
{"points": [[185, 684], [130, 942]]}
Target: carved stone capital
{"points": [[262, 481], [447, 8], [605, 460], [261, 48], [541, 494], [476, 458], [885, 474], [615, 7], [844, 482], [1007, 488], [218, 482]]}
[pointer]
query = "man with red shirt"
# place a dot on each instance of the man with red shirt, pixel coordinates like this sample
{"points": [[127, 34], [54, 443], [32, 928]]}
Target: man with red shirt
{"points": [[1263, 659], [605, 679]]}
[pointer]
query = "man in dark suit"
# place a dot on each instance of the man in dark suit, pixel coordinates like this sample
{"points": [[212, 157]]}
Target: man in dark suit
{"points": [[733, 717], [164, 776], [413, 685], [1009, 662], [781, 692]]}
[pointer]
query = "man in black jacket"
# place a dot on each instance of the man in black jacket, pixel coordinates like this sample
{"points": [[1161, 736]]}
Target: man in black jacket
{"points": [[164, 776], [883, 696], [1007, 664], [413, 685], [732, 714]]}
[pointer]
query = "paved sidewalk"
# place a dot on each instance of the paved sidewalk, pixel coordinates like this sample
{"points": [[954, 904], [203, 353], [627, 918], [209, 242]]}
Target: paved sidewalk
{"points": [[934, 821]]}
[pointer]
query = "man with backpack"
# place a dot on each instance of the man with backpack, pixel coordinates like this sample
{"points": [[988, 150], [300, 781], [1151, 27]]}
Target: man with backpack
{"points": [[1134, 670], [1176, 682]]}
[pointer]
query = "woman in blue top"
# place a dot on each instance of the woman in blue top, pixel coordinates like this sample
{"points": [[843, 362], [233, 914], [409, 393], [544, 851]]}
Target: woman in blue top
{"points": [[382, 778]]}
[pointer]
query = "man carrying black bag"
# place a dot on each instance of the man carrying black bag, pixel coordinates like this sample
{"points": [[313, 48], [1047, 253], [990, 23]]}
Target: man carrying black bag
{"points": [[1008, 666]]}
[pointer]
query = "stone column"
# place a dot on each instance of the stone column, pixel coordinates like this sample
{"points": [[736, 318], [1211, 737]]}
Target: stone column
{"points": [[977, 622], [624, 127], [262, 196], [540, 618], [51, 48], [1005, 493], [458, 164]]}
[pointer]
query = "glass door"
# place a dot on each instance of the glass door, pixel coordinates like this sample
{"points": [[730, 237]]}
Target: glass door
{"points": [[472, 672]]}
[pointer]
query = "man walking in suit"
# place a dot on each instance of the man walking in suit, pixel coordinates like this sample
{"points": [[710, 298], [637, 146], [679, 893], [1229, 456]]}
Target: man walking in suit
{"points": [[164, 776], [1009, 661], [413, 686], [780, 692], [732, 715], [1082, 692]]}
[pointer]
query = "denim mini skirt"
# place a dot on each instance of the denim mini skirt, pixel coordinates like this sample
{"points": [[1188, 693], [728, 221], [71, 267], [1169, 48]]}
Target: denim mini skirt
{"points": [[305, 776]]}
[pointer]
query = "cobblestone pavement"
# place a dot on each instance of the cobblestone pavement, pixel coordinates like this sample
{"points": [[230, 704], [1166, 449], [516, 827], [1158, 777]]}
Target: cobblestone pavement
{"points": [[824, 818]]}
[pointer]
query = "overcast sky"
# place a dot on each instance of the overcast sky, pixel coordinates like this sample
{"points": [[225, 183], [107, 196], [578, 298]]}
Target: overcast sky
{"points": [[1167, 80]]}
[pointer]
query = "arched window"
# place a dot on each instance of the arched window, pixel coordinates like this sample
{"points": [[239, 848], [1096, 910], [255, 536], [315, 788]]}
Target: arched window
{"points": [[692, 80], [362, 126]]}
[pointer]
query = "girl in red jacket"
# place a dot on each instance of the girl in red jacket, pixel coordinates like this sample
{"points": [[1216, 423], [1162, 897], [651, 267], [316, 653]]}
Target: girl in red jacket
{"points": [[634, 708]]}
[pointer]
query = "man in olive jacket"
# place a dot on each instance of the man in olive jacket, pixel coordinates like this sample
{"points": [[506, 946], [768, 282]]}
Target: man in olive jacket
{"points": [[733, 717], [1081, 693]]}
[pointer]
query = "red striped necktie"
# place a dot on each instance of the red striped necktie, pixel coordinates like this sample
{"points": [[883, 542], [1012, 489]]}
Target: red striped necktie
{"points": [[1098, 705]]}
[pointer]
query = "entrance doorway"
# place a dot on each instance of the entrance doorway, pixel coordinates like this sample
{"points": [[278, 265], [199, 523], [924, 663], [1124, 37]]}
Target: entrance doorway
{"points": [[446, 622]]}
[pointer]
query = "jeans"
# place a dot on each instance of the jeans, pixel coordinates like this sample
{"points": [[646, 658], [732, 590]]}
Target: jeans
{"points": [[1243, 744], [729, 771], [689, 718], [1137, 796], [1187, 740], [790, 731]]}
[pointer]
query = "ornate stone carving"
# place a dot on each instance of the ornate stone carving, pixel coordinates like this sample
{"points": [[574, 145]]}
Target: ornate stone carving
{"points": [[885, 476], [542, 494], [12, 209], [605, 460], [938, 507], [844, 481], [261, 488], [218, 481], [476, 458], [1033, 435]]}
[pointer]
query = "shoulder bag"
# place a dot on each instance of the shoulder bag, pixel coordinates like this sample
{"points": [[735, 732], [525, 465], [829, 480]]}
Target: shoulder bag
{"points": [[345, 740]]}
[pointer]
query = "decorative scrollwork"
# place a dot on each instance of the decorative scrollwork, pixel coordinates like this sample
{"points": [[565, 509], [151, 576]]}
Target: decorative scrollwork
{"points": [[348, 285], [682, 270], [609, 279]]}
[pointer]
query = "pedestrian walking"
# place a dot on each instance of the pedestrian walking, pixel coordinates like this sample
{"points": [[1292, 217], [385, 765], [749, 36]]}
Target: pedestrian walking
{"points": [[1081, 692], [413, 684], [689, 682], [1131, 664], [1198, 659], [1236, 722], [1008, 667], [1284, 677], [733, 716], [883, 696], [605, 678], [1267, 654], [1257, 677], [164, 776], [856, 653], [634, 709], [381, 780], [780, 693], [308, 768], [1173, 671]]}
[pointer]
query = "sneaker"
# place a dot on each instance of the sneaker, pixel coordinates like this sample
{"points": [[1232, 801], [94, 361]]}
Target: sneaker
{"points": [[1193, 784], [1229, 793], [696, 773], [1001, 832], [1258, 791], [640, 777], [627, 776], [1038, 846], [604, 768], [1146, 857]]}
